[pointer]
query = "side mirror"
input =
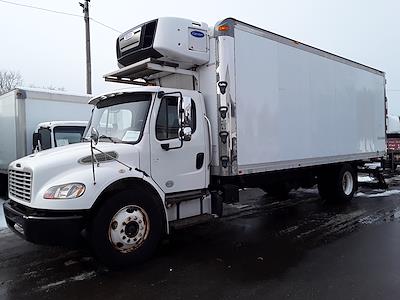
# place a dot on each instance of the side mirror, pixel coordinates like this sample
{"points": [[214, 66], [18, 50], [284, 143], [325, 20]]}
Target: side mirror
{"points": [[185, 118], [94, 135], [36, 145]]}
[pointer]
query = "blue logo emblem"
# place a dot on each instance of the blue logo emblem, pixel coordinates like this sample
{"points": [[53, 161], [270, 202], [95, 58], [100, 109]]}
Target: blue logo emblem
{"points": [[197, 34]]}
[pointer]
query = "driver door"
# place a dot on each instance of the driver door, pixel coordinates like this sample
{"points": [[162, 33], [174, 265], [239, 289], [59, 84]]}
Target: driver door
{"points": [[184, 168]]}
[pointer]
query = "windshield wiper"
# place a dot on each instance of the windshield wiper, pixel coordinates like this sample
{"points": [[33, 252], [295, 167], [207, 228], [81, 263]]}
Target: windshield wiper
{"points": [[114, 140]]}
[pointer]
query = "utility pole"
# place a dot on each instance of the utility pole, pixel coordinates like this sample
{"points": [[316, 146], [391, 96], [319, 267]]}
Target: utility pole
{"points": [[85, 7]]}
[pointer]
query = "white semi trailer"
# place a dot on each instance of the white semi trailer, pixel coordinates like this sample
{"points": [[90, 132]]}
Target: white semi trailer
{"points": [[216, 109]]}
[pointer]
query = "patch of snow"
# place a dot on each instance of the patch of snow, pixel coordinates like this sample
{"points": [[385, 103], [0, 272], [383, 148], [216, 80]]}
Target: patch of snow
{"points": [[83, 276], [51, 285], [369, 220], [70, 262], [311, 191], [374, 165], [365, 178], [80, 277], [290, 229], [30, 274], [383, 194], [239, 206]]}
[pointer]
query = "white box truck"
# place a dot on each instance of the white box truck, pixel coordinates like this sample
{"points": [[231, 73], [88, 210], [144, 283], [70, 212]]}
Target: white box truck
{"points": [[57, 133], [215, 109], [21, 111]]}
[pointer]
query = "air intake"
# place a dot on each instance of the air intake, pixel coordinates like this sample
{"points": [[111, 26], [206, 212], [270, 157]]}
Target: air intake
{"points": [[99, 157]]}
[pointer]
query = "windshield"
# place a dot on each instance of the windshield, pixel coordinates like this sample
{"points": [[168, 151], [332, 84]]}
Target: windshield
{"points": [[121, 118], [65, 135]]}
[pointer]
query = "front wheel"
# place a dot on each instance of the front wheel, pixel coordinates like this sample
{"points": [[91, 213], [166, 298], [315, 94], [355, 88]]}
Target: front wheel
{"points": [[127, 228]]}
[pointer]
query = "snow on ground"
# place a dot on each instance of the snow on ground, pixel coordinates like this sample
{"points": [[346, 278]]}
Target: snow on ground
{"points": [[2, 219], [382, 194], [80, 277], [374, 165], [365, 178]]}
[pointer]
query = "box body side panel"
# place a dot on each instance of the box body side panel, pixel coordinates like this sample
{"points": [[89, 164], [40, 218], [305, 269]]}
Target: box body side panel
{"points": [[8, 149], [295, 108]]}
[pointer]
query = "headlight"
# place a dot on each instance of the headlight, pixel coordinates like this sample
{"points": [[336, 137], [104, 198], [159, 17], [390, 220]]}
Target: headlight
{"points": [[65, 191]]}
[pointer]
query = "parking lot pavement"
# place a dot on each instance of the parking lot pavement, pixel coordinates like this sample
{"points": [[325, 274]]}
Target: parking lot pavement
{"points": [[301, 248]]}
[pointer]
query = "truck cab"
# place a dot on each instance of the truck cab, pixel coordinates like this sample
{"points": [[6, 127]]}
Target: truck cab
{"points": [[146, 142], [57, 133], [149, 119]]}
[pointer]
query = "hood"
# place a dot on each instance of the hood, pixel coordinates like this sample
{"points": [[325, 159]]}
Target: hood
{"points": [[77, 155], [69, 164]]}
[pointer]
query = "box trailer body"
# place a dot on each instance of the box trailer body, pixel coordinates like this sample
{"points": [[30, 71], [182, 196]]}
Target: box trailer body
{"points": [[22, 109], [214, 110], [336, 108]]}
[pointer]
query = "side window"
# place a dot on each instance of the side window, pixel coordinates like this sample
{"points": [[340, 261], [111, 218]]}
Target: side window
{"points": [[65, 135], [167, 123], [45, 138]]}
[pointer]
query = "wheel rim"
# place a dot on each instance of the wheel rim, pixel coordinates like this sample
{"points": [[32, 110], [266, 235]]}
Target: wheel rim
{"points": [[347, 183], [128, 228]]}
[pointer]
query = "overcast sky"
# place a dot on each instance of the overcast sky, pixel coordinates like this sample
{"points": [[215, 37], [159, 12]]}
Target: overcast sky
{"points": [[49, 49]]}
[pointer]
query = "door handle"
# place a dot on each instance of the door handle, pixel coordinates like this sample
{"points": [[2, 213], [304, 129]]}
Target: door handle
{"points": [[165, 146], [199, 160]]}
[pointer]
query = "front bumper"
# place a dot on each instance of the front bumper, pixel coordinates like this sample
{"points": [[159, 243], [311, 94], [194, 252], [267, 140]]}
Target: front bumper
{"points": [[45, 227]]}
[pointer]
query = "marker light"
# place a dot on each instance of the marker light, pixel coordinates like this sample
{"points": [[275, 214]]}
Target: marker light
{"points": [[223, 28]]}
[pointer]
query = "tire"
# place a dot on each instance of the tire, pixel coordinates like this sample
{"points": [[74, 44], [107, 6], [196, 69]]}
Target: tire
{"points": [[127, 228], [338, 184]]}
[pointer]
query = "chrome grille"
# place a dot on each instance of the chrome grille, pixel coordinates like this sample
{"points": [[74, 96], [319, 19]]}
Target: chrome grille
{"points": [[19, 184]]}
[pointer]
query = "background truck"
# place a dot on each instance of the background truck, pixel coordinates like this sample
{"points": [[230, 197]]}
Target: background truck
{"points": [[392, 160], [215, 109], [57, 133], [22, 109]]}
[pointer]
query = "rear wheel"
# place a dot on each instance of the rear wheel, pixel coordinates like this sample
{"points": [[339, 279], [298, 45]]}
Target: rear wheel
{"points": [[127, 228], [338, 184]]}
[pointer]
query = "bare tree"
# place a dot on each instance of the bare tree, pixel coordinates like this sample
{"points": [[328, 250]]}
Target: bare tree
{"points": [[9, 80]]}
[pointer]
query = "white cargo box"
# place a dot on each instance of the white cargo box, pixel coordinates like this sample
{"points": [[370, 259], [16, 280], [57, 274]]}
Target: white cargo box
{"points": [[293, 105]]}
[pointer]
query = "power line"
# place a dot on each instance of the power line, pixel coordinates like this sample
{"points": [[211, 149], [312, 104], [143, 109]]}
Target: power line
{"points": [[41, 8], [58, 12], [109, 27]]}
